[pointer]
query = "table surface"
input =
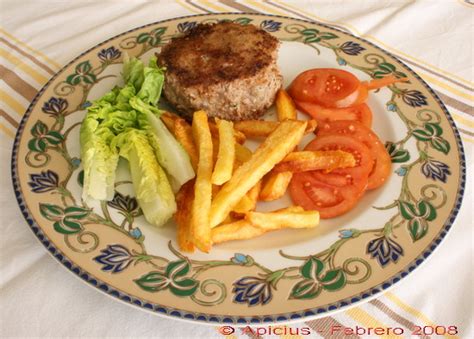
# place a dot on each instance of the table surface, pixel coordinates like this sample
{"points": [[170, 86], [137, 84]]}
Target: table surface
{"points": [[39, 298]]}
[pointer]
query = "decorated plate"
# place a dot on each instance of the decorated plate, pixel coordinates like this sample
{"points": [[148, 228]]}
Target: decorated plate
{"points": [[281, 276]]}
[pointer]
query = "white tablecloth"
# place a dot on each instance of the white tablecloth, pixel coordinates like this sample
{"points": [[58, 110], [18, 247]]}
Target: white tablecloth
{"points": [[40, 298]]}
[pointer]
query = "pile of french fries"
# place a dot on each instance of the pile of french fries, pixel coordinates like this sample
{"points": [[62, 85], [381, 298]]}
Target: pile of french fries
{"points": [[219, 204]]}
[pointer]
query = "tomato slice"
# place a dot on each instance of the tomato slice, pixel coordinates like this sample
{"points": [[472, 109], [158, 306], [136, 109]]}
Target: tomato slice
{"points": [[335, 88], [326, 86], [382, 165], [314, 194], [360, 113], [356, 175], [338, 191]]}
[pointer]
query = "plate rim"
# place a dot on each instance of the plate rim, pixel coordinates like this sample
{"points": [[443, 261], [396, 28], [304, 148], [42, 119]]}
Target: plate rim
{"points": [[237, 320]]}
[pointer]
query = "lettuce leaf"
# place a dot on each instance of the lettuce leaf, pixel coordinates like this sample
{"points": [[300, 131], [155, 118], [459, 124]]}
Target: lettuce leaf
{"points": [[168, 150], [99, 160], [154, 78], [152, 189], [132, 72]]}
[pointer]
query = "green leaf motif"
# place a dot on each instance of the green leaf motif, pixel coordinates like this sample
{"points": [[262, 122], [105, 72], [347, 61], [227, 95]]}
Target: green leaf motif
{"points": [[89, 78], [328, 36], [400, 75], [54, 137], [77, 213], [426, 210], [37, 145], [334, 280], [39, 129], [390, 147], [305, 289], [418, 228], [388, 68], [433, 129], [83, 68], [243, 21], [432, 132], [158, 31], [397, 155], [73, 79], [65, 221], [384, 68], [422, 134], [441, 145], [51, 212], [43, 136], [417, 217], [143, 38], [313, 35], [310, 31], [312, 268], [407, 210], [80, 178], [177, 269], [153, 38], [378, 74], [184, 288], [329, 276], [154, 41], [67, 227], [153, 281], [83, 72], [400, 156], [312, 39], [173, 278]]}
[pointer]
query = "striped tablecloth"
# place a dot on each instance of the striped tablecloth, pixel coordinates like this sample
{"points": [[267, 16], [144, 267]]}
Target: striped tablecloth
{"points": [[39, 298]]}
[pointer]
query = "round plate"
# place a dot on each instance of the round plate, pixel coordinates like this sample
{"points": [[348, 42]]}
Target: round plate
{"points": [[282, 276]]}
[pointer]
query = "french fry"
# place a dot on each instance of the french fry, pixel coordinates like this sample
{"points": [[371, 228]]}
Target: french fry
{"points": [[292, 208], [242, 153], [311, 126], [256, 128], [278, 144], [169, 121], [203, 186], [243, 229], [184, 134], [263, 128], [315, 160], [237, 164], [285, 218], [285, 106], [231, 219], [215, 190], [239, 136], [245, 205], [275, 185], [237, 230], [226, 155], [248, 201], [184, 201]]}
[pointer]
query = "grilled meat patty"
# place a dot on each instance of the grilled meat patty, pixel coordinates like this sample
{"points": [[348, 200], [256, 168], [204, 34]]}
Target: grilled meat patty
{"points": [[227, 69]]}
